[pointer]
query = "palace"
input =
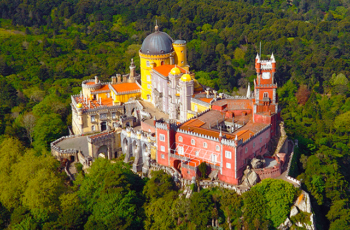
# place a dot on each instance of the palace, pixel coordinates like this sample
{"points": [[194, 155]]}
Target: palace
{"points": [[164, 116]]}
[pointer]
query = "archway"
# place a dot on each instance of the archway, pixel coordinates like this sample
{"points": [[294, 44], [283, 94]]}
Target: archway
{"points": [[103, 150], [162, 63], [125, 145], [135, 148], [177, 165], [103, 126]]}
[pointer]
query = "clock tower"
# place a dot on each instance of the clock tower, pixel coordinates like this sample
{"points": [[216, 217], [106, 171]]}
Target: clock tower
{"points": [[266, 104]]}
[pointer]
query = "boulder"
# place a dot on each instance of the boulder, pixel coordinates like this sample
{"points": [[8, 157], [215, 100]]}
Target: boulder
{"points": [[294, 211], [257, 163], [286, 225], [250, 177]]}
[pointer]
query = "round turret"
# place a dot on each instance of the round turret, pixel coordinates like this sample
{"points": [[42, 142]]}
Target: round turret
{"points": [[175, 71], [186, 77], [157, 43], [79, 105]]}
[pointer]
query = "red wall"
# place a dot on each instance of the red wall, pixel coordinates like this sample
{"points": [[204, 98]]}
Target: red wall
{"points": [[188, 173], [146, 127], [228, 175], [165, 144]]}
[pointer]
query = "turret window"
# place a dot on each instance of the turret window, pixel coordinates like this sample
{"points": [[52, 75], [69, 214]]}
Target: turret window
{"points": [[148, 78], [266, 95], [162, 137], [148, 64]]}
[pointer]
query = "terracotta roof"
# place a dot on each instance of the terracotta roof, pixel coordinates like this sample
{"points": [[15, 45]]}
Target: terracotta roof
{"points": [[235, 104], [90, 83], [103, 88], [206, 100], [165, 69], [125, 87], [94, 103]]}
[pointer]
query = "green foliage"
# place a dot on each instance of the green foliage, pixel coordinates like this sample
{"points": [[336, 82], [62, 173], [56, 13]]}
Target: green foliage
{"points": [[159, 185], [202, 168]]}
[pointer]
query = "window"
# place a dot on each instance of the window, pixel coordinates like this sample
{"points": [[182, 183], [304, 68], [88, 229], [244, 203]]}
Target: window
{"points": [[253, 144], [149, 86], [266, 95], [180, 139], [114, 115], [162, 137], [162, 148], [195, 108], [182, 51], [148, 78], [181, 150], [267, 135], [197, 153], [205, 145], [217, 148], [93, 128], [213, 158], [182, 62], [103, 116], [260, 139], [193, 142], [162, 156], [92, 118], [228, 165], [147, 64], [228, 154], [246, 149], [115, 124]]}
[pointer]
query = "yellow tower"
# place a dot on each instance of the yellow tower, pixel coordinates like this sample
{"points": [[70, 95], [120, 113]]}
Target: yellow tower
{"points": [[156, 50], [181, 54]]}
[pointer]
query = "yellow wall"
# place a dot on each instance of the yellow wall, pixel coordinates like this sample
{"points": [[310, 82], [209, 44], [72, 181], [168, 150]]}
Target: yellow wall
{"points": [[180, 55], [189, 115], [102, 95], [200, 108], [125, 97], [157, 60]]}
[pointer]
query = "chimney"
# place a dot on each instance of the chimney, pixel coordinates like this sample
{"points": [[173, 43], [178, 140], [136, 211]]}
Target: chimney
{"points": [[114, 80], [132, 71], [119, 78], [207, 92], [96, 79], [215, 93]]}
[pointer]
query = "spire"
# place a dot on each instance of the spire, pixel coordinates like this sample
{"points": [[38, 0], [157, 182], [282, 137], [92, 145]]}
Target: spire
{"points": [[273, 59], [248, 91], [220, 135], [257, 58], [132, 64], [156, 28], [236, 139]]}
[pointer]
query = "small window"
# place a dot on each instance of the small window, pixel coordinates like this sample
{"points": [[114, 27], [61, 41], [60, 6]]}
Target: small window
{"points": [[205, 145], [195, 108], [267, 135], [217, 148], [228, 165], [180, 139], [228, 154], [148, 64], [197, 153], [149, 86], [148, 78], [182, 62], [162, 148], [114, 115], [246, 149], [253, 144], [162, 137], [162, 156], [193, 142], [182, 51], [115, 124], [266, 95], [93, 128], [103, 116], [260, 139], [92, 118]]}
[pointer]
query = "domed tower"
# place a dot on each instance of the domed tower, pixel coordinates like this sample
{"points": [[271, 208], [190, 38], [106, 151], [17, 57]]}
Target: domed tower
{"points": [[156, 50], [186, 92]]}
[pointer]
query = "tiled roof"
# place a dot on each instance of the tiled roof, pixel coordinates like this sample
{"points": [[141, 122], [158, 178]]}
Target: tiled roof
{"points": [[165, 69], [125, 87], [103, 88], [93, 103], [235, 104]]}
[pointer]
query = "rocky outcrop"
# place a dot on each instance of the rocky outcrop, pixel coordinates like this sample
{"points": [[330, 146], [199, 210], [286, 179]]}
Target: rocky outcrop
{"points": [[250, 177], [257, 163]]}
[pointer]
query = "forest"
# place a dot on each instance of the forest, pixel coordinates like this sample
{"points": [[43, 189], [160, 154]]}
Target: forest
{"points": [[48, 47]]}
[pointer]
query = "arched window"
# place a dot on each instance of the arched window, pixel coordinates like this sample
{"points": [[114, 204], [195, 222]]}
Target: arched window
{"points": [[246, 149], [205, 145], [148, 64], [217, 148], [266, 95], [193, 142], [180, 139]]}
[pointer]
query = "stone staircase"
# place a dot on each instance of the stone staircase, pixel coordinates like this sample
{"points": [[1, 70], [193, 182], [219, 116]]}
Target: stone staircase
{"points": [[282, 138]]}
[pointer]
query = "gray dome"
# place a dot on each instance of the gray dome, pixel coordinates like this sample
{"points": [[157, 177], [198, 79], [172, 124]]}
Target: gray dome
{"points": [[157, 43]]}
